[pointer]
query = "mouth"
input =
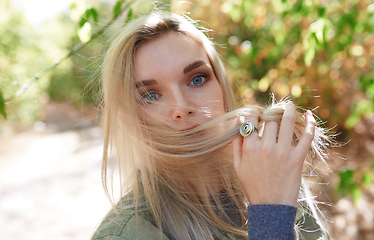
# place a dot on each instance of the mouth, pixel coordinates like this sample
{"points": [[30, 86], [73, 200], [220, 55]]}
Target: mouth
{"points": [[190, 127]]}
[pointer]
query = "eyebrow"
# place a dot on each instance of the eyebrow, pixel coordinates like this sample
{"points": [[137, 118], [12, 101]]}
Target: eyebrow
{"points": [[187, 69], [193, 65], [145, 83]]}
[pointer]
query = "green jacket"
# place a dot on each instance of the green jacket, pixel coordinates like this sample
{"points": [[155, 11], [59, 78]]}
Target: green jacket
{"points": [[128, 225]]}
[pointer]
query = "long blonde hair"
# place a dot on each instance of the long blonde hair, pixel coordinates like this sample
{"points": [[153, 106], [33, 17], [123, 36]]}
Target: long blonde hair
{"points": [[161, 166]]}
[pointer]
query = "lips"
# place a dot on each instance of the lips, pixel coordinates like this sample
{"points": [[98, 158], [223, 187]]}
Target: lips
{"points": [[190, 127]]}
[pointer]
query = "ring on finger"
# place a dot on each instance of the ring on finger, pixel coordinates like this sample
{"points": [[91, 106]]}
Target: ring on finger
{"points": [[247, 128]]}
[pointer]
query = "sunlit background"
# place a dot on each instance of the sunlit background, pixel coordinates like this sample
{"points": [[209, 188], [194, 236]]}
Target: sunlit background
{"points": [[319, 53]]}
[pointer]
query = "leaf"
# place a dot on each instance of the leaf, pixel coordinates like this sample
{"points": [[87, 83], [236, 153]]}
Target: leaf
{"points": [[367, 179], [352, 120], [89, 12], [348, 186], [356, 194], [84, 18], [94, 14], [82, 21], [317, 28], [129, 16], [84, 33], [321, 11], [346, 176], [309, 56], [2, 106], [117, 9]]}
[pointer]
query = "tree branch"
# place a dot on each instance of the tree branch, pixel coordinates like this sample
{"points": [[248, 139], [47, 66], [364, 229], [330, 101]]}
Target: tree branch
{"points": [[75, 49]]}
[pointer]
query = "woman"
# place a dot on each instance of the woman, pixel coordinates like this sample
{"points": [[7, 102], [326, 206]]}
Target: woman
{"points": [[185, 170]]}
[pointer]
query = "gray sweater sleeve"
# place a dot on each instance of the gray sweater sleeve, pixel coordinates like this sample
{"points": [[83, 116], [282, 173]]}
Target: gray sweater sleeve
{"points": [[271, 222]]}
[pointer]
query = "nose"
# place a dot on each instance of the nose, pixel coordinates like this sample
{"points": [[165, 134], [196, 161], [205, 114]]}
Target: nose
{"points": [[182, 107]]}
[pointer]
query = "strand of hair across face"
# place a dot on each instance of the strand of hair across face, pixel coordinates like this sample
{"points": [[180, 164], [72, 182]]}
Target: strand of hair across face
{"points": [[219, 132]]}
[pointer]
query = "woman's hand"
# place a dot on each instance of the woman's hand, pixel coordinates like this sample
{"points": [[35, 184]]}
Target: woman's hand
{"points": [[270, 169]]}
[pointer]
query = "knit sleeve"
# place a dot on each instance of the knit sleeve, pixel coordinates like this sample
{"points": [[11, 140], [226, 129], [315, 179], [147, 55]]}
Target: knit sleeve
{"points": [[271, 222]]}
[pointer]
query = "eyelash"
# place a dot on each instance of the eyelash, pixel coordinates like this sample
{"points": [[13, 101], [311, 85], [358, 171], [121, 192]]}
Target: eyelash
{"points": [[204, 76], [147, 94]]}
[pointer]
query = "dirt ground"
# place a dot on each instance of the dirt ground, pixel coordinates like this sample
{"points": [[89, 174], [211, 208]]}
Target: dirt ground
{"points": [[50, 185]]}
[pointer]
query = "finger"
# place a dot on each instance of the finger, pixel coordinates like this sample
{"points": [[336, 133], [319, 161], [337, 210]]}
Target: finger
{"points": [[253, 117], [237, 144], [270, 132], [287, 127], [308, 135]]}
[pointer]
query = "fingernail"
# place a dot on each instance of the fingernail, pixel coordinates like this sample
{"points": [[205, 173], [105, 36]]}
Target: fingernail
{"points": [[309, 113]]}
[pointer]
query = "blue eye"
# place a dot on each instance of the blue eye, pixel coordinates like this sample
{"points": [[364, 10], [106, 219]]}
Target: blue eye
{"points": [[149, 97], [198, 80]]}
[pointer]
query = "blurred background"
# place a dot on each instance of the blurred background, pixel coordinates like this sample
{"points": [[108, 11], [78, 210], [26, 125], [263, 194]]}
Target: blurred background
{"points": [[319, 53]]}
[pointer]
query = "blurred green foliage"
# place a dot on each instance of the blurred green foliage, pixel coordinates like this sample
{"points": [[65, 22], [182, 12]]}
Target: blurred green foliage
{"points": [[352, 183], [318, 53], [28, 49], [20, 58], [2, 106], [348, 185]]}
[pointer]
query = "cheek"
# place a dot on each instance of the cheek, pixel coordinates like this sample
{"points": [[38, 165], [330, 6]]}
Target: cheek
{"points": [[215, 97], [151, 117], [210, 104], [156, 115], [143, 116]]}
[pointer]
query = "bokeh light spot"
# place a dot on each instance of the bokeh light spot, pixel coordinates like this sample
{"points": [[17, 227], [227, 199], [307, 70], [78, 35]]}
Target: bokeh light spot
{"points": [[233, 40], [273, 73], [296, 91], [360, 62], [357, 50]]}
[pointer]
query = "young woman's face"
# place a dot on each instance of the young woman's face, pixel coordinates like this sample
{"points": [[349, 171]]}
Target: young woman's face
{"points": [[176, 82]]}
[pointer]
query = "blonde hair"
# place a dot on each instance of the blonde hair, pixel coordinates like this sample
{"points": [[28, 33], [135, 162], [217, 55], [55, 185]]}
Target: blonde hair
{"points": [[161, 166]]}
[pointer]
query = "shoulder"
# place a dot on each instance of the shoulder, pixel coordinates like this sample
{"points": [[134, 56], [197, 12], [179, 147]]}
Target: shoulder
{"points": [[125, 224]]}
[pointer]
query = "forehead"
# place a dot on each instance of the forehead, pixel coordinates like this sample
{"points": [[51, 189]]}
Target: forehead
{"points": [[170, 52]]}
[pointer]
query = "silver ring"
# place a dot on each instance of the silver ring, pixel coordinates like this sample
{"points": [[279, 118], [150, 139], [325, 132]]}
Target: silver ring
{"points": [[247, 128]]}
